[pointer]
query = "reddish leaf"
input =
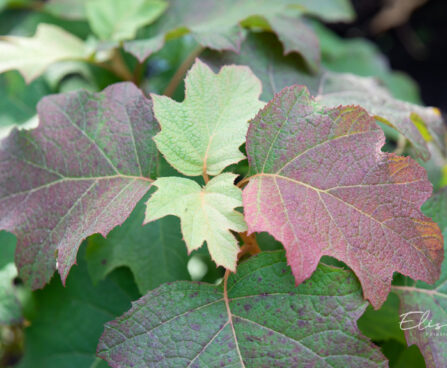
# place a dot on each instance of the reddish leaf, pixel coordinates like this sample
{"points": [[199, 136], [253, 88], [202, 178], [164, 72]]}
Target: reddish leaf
{"points": [[322, 186], [82, 171]]}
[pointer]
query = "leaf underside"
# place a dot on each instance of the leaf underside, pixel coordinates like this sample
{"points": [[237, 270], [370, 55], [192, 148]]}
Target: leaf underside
{"points": [[81, 172], [338, 89], [322, 186], [32, 55]]}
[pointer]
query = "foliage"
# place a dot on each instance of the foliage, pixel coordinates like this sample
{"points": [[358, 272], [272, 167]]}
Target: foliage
{"points": [[285, 136]]}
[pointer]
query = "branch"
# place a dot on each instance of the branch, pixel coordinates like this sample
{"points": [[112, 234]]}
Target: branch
{"points": [[181, 71], [250, 246]]}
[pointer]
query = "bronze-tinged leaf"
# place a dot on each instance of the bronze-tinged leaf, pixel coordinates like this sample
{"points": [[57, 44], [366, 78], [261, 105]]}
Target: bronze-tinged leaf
{"points": [[321, 186], [81, 172]]}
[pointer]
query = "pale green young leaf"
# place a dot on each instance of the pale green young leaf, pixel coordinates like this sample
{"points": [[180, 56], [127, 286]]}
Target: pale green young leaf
{"points": [[203, 133], [119, 20], [32, 55], [206, 213], [69, 9]]}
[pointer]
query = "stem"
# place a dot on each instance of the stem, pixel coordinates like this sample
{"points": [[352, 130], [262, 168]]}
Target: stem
{"points": [[243, 182], [138, 73], [401, 143], [205, 176], [418, 290], [181, 71], [120, 66], [250, 246], [117, 66]]}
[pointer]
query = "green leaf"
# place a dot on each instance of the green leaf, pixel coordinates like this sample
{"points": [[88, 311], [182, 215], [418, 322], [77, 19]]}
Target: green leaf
{"points": [[81, 172], [203, 133], [410, 358], [207, 214], [256, 319], [119, 20], [31, 56], [155, 252], [343, 89], [382, 324], [217, 24], [296, 36], [10, 306], [430, 299], [328, 10], [265, 56], [70, 9], [18, 102], [67, 321]]}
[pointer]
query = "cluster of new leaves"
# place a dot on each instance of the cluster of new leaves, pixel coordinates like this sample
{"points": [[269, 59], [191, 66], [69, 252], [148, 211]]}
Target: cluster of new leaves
{"points": [[147, 180]]}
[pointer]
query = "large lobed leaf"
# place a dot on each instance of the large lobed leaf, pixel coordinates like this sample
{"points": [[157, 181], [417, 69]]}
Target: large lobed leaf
{"points": [[32, 55], [202, 134], [264, 55], [207, 214], [80, 172], [217, 24], [321, 186], [431, 299], [257, 319]]}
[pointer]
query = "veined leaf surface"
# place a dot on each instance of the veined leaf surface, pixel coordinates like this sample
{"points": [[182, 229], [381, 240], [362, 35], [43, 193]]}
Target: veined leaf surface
{"points": [[81, 172], [321, 186], [258, 319]]}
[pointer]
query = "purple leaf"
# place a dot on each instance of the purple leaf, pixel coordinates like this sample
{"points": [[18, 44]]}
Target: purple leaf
{"points": [[81, 172]]}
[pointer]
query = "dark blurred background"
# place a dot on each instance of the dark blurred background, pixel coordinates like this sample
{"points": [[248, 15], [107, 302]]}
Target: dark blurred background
{"points": [[413, 36]]}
